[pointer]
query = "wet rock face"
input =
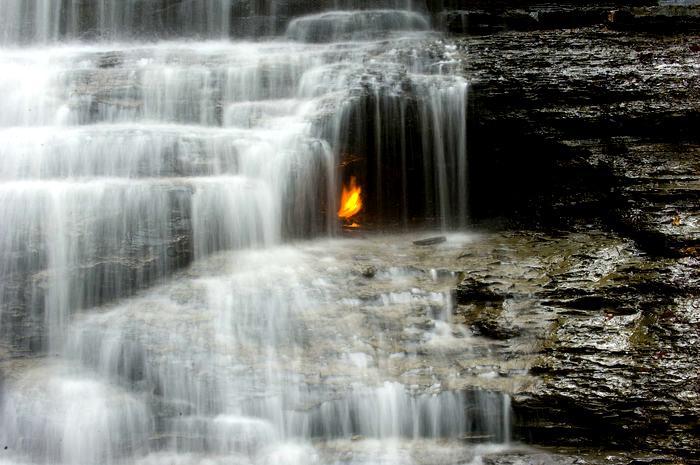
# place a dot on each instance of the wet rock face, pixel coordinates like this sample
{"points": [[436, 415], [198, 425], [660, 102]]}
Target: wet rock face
{"points": [[610, 333], [662, 19], [601, 122], [471, 290], [622, 375], [478, 18]]}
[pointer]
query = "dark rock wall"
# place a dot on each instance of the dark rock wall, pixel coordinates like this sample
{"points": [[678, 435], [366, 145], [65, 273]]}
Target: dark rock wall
{"points": [[603, 123], [601, 108]]}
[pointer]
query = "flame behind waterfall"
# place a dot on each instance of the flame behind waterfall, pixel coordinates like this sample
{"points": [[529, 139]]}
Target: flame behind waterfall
{"points": [[350, 201]]}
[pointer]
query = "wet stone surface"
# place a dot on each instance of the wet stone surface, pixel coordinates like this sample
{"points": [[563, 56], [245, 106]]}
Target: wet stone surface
{"points": [[604, 121], [595, 341], [602, 124], [614, 337]]}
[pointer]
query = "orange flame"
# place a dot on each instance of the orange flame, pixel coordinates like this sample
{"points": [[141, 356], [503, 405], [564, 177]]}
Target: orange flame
{"points": [[351, 200]]}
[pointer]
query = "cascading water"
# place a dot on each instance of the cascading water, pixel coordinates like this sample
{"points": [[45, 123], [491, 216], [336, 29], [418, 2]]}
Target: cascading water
{"points": [[128, 158]]}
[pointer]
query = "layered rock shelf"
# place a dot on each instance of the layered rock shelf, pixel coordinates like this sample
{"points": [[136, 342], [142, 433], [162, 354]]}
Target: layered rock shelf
{"points": [[601, 105]]}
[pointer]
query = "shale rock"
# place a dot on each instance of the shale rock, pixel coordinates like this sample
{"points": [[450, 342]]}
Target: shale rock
{"points": [[605, 127], [430, 241], [613, 342], [470, 290], [489, 322], [669, 19], [602, 124]]}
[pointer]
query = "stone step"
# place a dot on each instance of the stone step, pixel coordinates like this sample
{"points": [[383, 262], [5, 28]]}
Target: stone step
{"points": [[529, 17]]}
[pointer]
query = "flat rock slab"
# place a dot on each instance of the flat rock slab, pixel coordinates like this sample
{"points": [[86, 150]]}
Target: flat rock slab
{"points": [[614, 336], [430, 241]]}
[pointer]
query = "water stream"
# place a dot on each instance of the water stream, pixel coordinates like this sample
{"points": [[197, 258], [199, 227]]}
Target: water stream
{"points": [[171, 291]]}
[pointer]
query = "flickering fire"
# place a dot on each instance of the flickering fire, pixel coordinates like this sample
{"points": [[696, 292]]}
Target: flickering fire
{"points": [[351, 200]]}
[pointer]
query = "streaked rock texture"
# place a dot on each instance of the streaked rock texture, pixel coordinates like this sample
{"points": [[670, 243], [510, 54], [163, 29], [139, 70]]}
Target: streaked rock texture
{"points": [[601, 104]]}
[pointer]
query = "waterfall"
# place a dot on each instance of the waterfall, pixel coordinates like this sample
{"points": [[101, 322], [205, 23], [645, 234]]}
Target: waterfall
{"points": [[47, 21], [170, 289]]}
